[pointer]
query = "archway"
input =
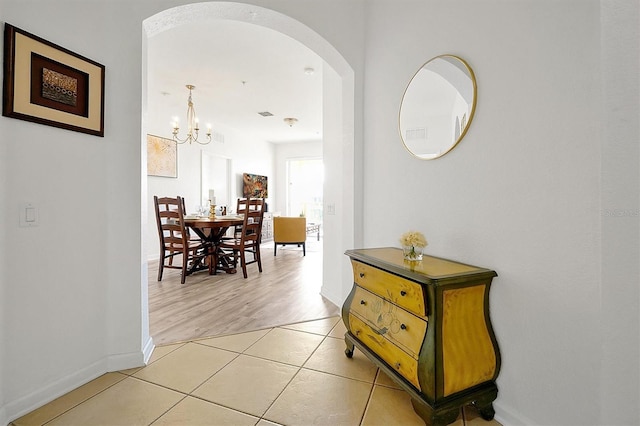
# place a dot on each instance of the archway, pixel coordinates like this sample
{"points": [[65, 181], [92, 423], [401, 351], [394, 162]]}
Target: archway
{"points": [[338, 125]]}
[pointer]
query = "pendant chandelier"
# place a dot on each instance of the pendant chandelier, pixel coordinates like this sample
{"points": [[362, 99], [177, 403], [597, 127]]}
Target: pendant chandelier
{"points": [[192, 124]]}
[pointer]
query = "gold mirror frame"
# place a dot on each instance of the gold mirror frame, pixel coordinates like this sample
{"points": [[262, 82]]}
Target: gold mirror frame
{"points": [[444, 88]]}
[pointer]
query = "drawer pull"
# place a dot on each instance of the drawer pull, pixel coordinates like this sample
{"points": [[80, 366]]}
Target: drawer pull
{"points": [[362, 302], [397, 366], [361, 274], [403, 293], [402, 326]]}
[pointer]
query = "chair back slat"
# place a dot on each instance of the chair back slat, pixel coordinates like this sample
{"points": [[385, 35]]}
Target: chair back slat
{"points": [[174, 235], [247, 236], [170, 219], [253, 210]]}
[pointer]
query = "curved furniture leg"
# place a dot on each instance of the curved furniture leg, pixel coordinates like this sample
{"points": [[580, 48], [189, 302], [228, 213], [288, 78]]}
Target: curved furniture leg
{"points": [[486, 411], [350, 348], [484, 404]]}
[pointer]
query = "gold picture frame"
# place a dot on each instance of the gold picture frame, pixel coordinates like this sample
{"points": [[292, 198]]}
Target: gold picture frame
{"points": [[48, 84], [162, 157]]}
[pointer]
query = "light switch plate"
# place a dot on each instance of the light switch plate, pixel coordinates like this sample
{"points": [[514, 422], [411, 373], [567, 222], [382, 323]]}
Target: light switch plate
{"points": [[28, 215]]}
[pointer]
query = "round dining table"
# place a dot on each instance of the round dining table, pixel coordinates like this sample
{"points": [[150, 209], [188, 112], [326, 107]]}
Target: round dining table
{"points": [[211, 231]]}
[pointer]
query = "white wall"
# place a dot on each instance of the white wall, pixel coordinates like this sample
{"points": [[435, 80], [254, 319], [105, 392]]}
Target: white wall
{"points": [[339, 229], [551, 150], [74, 296], [4, 179], [620, 226], [71, 286], [522, 192]]}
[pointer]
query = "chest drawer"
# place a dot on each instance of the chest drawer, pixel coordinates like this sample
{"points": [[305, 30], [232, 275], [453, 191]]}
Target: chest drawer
{"points": [[400, 291], [399, 360], [402, 328]]}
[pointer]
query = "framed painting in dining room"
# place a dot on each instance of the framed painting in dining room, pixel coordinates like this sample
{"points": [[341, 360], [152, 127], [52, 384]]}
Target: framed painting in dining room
{"points": [[162, 157], [47, 84]]}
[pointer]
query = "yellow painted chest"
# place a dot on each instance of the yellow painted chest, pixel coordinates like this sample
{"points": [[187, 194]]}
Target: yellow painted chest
{"points": [[427, 325]]}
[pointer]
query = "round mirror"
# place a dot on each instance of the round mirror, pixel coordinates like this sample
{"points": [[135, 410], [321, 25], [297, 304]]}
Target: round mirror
{"points": [[437, 107]]}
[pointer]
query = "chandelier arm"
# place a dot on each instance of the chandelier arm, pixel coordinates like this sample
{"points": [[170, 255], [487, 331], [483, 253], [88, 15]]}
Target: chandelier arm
{"points": [[193, 126], [204, 143], [179, 141]]}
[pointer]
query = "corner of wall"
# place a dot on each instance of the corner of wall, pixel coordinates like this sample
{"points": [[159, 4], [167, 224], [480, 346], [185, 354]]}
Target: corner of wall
{"points": [[330, 295], [47, 393], [120, 362], [147, 350]]}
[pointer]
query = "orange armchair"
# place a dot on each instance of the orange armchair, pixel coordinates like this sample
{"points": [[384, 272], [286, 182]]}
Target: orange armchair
{"points": [[289, 230]]}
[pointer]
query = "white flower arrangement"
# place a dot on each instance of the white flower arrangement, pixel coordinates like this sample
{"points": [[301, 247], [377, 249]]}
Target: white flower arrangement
{"points": [[412, 244], [414, 239]]}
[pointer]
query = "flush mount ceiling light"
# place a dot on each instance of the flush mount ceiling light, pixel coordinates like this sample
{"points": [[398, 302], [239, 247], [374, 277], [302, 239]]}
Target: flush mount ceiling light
{"points": [[192, 124], [309, 71], [290, 121]]}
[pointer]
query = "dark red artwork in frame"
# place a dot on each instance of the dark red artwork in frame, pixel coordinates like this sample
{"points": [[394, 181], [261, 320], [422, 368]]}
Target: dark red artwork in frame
{"points": [[83, 96], [38, 66]]}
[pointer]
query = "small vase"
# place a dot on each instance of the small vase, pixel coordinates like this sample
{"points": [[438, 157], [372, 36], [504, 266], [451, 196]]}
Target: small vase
{"points": [[412, 253]]}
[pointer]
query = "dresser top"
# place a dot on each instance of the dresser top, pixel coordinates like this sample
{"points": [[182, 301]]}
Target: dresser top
{"points": [[428, 269]]}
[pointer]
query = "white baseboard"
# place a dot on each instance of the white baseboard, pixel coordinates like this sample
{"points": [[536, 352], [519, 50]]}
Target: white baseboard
{"points": [[125, 361], [147, 350], [25, 404], [507, 417], [333, 298]]}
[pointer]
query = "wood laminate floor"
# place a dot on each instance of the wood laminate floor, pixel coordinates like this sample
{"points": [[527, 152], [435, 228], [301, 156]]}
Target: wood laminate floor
{"points": [[286, 292]]}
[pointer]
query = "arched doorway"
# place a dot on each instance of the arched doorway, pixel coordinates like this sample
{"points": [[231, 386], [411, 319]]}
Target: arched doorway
{"points": [[338, 124]]}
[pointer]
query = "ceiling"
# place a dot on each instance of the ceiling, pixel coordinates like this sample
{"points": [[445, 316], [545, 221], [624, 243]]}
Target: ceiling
{"points": [[238, 70]]}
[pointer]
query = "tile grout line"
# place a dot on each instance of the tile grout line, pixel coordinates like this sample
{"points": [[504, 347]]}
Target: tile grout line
{"points": [[292, 378], [169, 409], [170, 352], [368, 404], [222, 405], [299, 367], [84, 400], [216, 372], [325, 336], [238, 354], [190, 394], [278, 396]]}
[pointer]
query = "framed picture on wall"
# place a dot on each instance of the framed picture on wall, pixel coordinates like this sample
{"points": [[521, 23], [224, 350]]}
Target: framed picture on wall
{"points": [[162, 157], [254, 186], [48, 84]]}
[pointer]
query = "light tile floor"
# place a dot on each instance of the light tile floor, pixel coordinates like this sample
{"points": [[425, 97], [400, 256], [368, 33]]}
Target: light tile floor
{"points": [[289, 375]]}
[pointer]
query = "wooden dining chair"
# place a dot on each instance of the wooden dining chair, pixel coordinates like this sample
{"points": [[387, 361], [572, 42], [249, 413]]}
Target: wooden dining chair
{"points": [[175, 239], [241, 206], [247, 239]]}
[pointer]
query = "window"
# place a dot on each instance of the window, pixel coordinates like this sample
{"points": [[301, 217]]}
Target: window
{"points": [[305, 178]]}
